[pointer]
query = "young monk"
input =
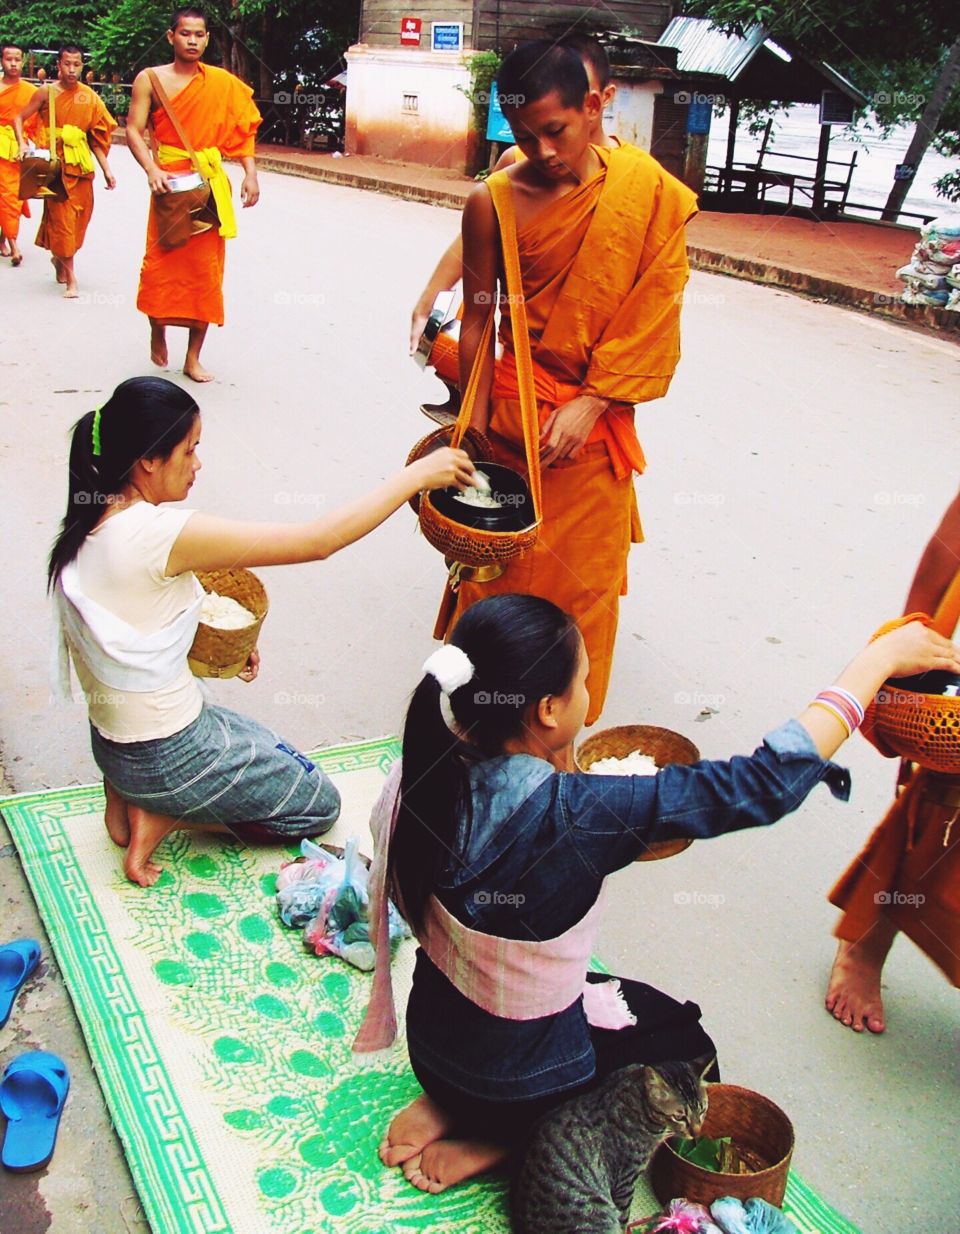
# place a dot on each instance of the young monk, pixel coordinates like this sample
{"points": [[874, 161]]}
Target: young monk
{"points": [[15, 94], [449, 269], [908, 875], [84, 127], [603, 265], [498, 856], [184, 286]]}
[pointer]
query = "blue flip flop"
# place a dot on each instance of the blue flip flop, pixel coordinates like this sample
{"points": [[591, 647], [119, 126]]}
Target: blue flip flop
{"points": [[32, 1095], [17, 961]]}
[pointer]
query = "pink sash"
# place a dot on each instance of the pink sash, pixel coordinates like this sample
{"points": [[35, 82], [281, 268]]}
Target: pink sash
{"points": [[510, 978]]}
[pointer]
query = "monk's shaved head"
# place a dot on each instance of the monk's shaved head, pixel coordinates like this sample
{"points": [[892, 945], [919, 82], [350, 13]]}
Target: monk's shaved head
{"points": [[591, 53], [188, 10], [69, 49], [5, 47], [534, 70]]}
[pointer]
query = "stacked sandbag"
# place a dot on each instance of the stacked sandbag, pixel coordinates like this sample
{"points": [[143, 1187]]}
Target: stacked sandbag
{"points": [[932, 276]]}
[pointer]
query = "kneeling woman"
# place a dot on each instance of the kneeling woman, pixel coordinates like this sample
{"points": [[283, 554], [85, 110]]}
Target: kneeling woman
{"points": [[129, 605], [498, 857]]}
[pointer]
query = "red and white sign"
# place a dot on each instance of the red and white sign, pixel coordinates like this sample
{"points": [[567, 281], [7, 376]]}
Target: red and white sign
{"points": [[410, 31]]}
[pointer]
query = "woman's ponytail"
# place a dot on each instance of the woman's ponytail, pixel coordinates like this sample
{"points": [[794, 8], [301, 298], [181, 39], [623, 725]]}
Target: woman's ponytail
{"points": [[85, 497], [432, 785]]}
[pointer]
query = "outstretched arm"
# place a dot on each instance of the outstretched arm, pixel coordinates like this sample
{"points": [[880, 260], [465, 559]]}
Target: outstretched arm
{"points": [[444, 278], [208, 543]]}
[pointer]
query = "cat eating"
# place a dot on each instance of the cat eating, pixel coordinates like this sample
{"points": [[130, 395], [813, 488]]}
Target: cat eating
{"points": [[579, 1170]]}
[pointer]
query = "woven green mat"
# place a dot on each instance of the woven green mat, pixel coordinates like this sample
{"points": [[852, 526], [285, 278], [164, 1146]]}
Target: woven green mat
{"points": [[223, 1047]]}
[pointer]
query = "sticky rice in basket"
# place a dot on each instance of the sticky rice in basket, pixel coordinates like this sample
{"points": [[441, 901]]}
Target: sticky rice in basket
{"points": [[230, 619]]}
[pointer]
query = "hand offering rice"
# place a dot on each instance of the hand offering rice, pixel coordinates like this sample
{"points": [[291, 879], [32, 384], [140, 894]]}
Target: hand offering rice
{"points": [[634, 764], [224, 613], [479, 494]]}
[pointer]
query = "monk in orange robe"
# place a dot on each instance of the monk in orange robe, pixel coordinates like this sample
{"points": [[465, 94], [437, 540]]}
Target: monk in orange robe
{"points": [[603, 263], [15, 94], [907, 877], [84, 127], [184, 286]]}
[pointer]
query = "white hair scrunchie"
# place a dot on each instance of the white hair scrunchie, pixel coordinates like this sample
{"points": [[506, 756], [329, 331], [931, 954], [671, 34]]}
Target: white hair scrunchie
{"points": [[450, 666]]}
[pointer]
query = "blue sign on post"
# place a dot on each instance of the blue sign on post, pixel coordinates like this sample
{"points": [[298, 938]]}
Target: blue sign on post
{"points": [[497, 127], [699, 115], [446, 36]]}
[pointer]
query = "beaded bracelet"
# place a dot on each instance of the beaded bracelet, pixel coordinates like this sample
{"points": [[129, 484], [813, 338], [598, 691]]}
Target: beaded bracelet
{"points": [[843, 705]]}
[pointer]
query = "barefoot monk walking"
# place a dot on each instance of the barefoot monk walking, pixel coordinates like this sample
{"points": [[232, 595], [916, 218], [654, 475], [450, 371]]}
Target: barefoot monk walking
{"points": [[181, 279]]}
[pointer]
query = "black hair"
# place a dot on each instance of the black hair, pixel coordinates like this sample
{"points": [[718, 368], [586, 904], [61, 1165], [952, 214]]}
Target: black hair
{"points": [[523, 649], [591, 51], [145, 417], [188, 10], [7, 43], [532, 70], [68, 49]]}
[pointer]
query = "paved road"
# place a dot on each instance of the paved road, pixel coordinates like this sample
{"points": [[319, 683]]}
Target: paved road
{"points": [[796, 468]]}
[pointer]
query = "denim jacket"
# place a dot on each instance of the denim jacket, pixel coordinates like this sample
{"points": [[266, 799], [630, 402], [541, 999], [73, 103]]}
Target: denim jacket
{"points": [[529, 861]]}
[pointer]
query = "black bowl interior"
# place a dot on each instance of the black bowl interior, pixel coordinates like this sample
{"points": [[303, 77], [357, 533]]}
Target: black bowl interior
{"points": [[934, 682], [515, 509]]}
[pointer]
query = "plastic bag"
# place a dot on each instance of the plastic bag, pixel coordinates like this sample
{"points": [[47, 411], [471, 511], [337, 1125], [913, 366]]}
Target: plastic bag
{"points": [[330, 896], [754, 1217]]}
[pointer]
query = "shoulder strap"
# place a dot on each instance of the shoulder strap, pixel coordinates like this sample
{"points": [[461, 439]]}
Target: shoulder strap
{"points": [[165, 104], [52, 117], [502, 195]]}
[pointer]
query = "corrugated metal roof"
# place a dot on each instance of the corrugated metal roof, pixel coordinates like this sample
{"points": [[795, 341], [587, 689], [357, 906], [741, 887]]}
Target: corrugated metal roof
{"points": [[705, 49]]}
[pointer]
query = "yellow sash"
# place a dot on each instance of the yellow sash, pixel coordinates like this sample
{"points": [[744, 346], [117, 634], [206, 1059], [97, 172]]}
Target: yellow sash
{"points": [[8, 143], [210, 166], [76, 149]]}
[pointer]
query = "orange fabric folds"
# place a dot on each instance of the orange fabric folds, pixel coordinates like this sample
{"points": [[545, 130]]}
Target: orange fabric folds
{"points": [[183, 286]]}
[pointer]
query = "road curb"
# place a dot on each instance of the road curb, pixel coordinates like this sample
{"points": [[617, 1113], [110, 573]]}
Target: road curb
{"points": [[880, 304]]}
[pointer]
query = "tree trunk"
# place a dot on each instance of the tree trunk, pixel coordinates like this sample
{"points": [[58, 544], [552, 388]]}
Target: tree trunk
{"points": [[925, 131]]}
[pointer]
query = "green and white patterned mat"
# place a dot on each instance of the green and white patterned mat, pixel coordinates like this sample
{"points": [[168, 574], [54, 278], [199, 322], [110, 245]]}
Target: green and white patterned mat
{"points": [[223, 1046]]}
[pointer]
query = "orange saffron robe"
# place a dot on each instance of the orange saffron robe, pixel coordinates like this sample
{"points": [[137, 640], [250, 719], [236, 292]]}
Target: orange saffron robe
{"points": [[13, 99], [909, 870], [603, 270], [64, 224], [185, 285]]}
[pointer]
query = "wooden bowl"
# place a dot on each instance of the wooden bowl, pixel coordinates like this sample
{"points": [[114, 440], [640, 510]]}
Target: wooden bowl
{"points": [[757, 1126], [663, 745]]}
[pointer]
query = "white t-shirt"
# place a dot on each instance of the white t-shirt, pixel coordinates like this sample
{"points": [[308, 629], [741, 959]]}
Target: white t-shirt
{"points": [[121, 567]]}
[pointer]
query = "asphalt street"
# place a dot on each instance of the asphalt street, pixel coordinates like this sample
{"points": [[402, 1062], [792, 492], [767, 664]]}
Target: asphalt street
{"points": [[797, 467]]}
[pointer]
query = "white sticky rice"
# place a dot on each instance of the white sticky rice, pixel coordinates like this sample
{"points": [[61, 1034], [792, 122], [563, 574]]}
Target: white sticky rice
{"points": [[635, 764], [224, 613]]}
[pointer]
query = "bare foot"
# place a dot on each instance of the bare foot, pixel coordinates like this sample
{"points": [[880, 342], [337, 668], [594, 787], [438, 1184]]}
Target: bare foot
{"points": [[71, 292], [853, 992], [5, 248], [446, 1162], [158, 346], [196, 372], [58, 270], [146, 833], [116, 816], [416, 1126]]}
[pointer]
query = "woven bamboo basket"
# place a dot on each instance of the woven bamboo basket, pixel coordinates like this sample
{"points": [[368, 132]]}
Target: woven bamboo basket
{"points": [[663, 745], [223, 653], [474, 443], [763, 1135], [924, 728]]}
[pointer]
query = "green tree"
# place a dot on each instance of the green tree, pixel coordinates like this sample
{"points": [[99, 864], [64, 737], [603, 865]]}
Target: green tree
{"points": [[894, 51]]}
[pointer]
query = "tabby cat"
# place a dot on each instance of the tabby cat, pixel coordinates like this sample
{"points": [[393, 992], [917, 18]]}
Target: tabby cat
{"points": [[579, 1170]]}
